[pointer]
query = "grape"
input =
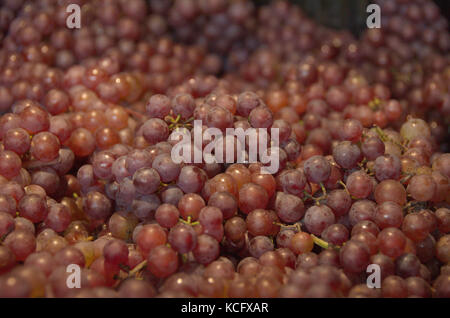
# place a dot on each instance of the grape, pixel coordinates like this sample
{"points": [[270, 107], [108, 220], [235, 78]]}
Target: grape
{"points": [[407, 265], [362, 210], [166, 168], [225, 202], [289, 208], [190, 205], [149, 237], [167, 215], [34, 119], [388, 214], [191, 179], [102, 165], [183, 105], [442, 249], [390, 190], [22, 243], [115, 252], [354, 257], [335, 234], [391, 242], [45, 146], [351, 130], [17, 140], [346, 154], [146, 180], [359, 184], [291, 181], [339, 201], [206, 250], [155, 130], [387, 167], [301, 242], [365, 226], [415, 227], [10, 164], [33, 207], [414, 127], [69, 255], [58, 217], [421, 187], [318, 218], [317, 169], [158, 106], [97, 205], [251, 197]]}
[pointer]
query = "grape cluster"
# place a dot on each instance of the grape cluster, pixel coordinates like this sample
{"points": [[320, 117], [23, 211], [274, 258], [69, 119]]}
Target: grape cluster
{"points": [[87, 127]]}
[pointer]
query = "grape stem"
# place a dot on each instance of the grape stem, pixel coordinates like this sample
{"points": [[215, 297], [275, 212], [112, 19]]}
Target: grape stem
{"points": [[320, 242]]}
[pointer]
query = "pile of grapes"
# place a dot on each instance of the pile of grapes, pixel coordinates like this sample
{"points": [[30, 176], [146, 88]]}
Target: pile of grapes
{"points": [[88, 182]]}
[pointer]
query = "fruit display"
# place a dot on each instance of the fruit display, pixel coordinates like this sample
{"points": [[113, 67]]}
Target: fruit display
{"points": [[95, 203]]}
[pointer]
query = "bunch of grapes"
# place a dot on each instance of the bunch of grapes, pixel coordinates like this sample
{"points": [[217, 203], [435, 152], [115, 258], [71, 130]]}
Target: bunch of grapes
{"points": [[87, 130]]}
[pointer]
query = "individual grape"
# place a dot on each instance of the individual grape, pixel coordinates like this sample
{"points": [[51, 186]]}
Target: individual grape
{"points": [[259, 222], [317, 169], [17, 140], [351, 130], [6, 224], [115, 252], [171, 194], [346, 154], [190, 205], [407, 265], [97, 205], [415, 227], [219, 117], [388, 214], [443, 220], [413, 128], [146, 180], [167, 215], [372, 148], [155, 130], [390, 190], [292, 181], [339, 201], [191, 179], [7, 204], [359, 184], [418, 287], [225, 202], [387, 265], [301, 242], [82, 142], [150, 236], [261, 117], [251, 197], [58, 217], [246, 102], [34, 119], [391, 242], [336, 234], [235, 228], [365, 226], [394, 287], [361, 210], [33, 207], [421, 187], [288, 207], [387, 167], [183, 105], [442, 249], [354, 257], [69, 255], [318, 218], [166, 168], [259, 245], [158, 106], [10, 164], [206, 250], [21, 243]]}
